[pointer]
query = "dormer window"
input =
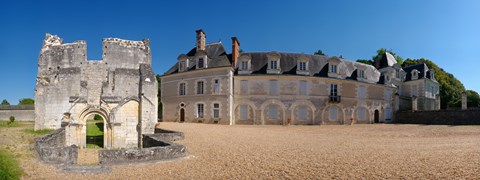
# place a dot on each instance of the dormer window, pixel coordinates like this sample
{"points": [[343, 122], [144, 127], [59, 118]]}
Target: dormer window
{"points": [[244, 65], [361, 74], [302, 65], [183, 63], [273, 63], [201, 63], [333, 68], [415, 74]]}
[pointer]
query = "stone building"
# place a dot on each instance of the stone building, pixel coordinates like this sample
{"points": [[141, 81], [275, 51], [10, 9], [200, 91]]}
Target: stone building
{"points": [[121, 88], [211, 86]]}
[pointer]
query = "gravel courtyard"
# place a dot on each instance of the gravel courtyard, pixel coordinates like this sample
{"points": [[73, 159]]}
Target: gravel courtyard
{"points": [[376, 151]]}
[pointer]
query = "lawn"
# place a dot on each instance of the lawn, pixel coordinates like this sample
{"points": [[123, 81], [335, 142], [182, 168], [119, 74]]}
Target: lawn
{"points": [[95, 134], [9, 168]]}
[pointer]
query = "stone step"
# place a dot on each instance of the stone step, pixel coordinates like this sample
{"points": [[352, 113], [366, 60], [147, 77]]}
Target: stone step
{"points": [[88, 157], [85, 169]]}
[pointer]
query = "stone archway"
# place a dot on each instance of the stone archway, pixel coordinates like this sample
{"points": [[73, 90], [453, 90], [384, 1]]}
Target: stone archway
{"points": [[82, 130]]}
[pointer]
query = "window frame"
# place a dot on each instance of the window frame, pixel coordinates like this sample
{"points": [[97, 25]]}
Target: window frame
{"points": [[182, 89], [200, 90], [201, 110]]}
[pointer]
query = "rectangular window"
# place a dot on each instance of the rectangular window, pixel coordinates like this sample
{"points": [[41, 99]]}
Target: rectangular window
{"points": [[182, 66], [273, 88], [362, 92], [181, 90], [244, 112], [273, 65], [303, 66], [333, 68], [201, 63], [244, 87], [200, 110], [414, 90], [216, 110], [200, 87], [361, 74], [333, 90], [303, 88], [216, 86], [244, 65], [273, 112], [302, 113]]}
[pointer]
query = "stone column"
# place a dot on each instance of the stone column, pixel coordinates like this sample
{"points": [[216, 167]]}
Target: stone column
{"points": [[437, 102], [414, 103], [464, 100]]}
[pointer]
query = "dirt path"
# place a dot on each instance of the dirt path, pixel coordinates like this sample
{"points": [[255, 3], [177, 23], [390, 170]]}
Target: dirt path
{"points": [[300, 152]]}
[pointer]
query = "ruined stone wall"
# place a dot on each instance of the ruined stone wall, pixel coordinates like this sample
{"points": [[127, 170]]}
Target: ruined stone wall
{"points": [[172, 101], [69, 87]]}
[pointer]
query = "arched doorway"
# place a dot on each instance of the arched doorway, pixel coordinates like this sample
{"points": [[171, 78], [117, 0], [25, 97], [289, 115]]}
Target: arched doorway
{"points": [[182, 115], [95, 131], [376, 117]]}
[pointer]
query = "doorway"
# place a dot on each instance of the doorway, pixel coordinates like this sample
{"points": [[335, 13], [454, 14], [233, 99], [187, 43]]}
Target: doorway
{"points": [[376, 117], [95, 131], [182, 115]]}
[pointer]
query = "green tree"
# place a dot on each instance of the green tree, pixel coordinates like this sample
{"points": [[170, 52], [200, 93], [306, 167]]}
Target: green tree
{"points": [[364, 61], [160, 105], [5, 102], [473, 99], [450, 87], [320, 52], [26, 101]]}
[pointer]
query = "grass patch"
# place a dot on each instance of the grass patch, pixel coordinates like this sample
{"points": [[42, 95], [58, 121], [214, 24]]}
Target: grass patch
{"points": [[37, 132], [9, 168], [95, 134], [5, 124]]}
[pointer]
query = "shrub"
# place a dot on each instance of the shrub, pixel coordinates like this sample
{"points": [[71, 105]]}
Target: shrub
{"points": [[9, 168], [11, 119]]}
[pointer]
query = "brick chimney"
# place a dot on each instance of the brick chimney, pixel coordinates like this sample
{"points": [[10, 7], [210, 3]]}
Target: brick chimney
{"points": [[200, 40], [235, 51]]}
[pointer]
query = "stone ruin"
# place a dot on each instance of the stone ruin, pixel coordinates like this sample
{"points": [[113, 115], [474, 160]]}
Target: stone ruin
{"points": [[121, 88]]}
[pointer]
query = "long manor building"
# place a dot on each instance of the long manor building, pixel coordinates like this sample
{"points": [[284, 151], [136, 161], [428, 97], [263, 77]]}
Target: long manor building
{"points": [[209, 85]]}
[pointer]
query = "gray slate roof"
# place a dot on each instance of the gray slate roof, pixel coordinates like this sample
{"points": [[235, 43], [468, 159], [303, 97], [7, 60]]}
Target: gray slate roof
{"points": [[216, 54], [422, 67], [318, 66]]}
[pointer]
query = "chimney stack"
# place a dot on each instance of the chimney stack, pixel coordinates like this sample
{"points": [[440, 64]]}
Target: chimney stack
{"points": [[200, 40], [235, 51]]}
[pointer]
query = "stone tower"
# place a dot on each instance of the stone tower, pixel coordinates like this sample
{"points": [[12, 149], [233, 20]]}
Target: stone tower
{"points": [[121, 88]]}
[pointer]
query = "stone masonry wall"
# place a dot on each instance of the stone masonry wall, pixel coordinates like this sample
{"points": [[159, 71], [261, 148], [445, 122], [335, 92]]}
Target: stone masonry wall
{"points": [[441, 117], [21, 113]]}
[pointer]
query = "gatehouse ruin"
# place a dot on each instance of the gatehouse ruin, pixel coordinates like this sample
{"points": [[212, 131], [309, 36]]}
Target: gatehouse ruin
{"points": [[120, 88]]}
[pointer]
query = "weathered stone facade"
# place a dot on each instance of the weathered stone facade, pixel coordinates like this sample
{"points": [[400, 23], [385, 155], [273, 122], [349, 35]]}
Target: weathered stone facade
{"points": [[121, 88], [290, 88]]}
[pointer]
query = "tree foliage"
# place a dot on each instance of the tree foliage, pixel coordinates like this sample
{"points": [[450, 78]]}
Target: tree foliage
{"points": [[5, 102], [364, 61], [319, 52], [473, 99], [450, 87], [26, 101]]}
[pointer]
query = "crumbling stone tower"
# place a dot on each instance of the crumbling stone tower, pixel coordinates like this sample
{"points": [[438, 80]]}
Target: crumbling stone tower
{"points": [[121, 88]]}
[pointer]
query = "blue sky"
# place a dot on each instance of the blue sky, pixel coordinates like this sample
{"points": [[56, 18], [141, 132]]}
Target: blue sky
{"points": [[447, 32]]}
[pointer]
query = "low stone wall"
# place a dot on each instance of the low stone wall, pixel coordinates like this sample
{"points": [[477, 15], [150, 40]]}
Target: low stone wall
{"points": [[50, 148], [441, 117], [167, 135], [20, 112], [154, 149]]}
